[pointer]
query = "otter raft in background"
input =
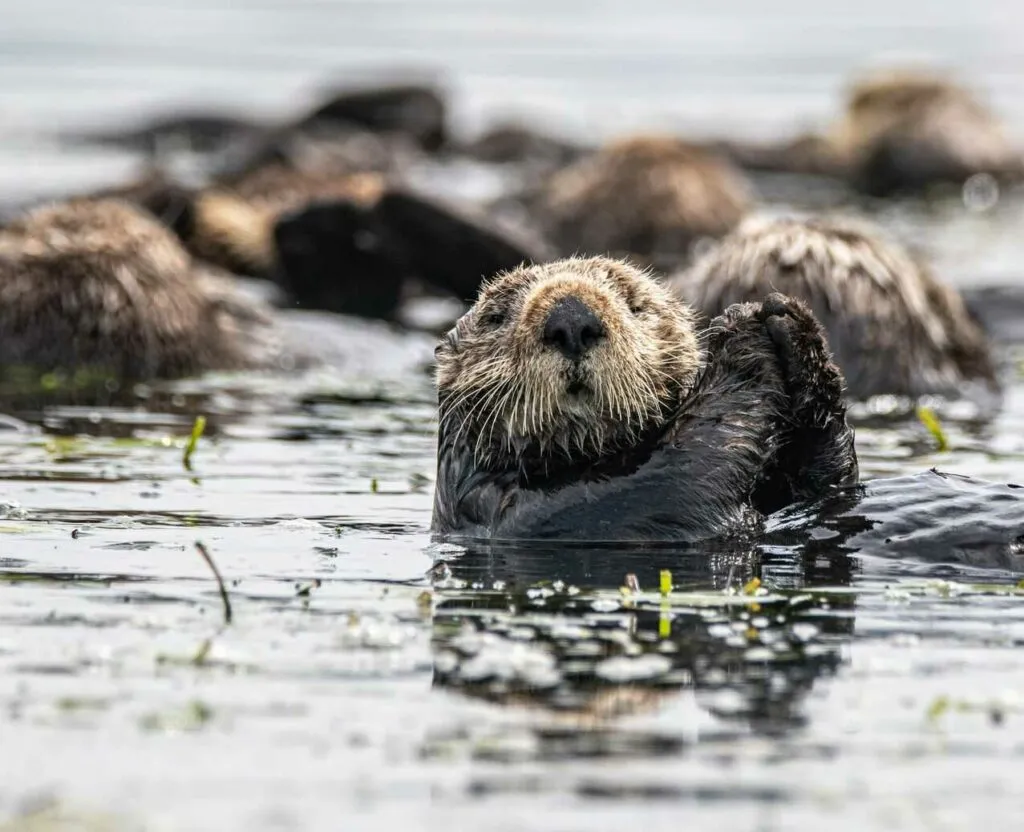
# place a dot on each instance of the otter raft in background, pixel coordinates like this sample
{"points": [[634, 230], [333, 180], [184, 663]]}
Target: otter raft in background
{"points": [[351, 119], [892, 326], [578, 401]]}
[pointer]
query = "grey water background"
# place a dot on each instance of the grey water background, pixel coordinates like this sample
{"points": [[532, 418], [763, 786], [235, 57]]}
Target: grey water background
{"points": [[352, 689]]}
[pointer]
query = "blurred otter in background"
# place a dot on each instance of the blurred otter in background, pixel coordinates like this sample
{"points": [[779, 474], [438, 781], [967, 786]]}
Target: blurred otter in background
{"points": [[648, 198], [317, 205], [231, 223], [517, 142], [365, 260], [96, 286], [353, 243], [414, 111], [902, 132], [892, 326]]}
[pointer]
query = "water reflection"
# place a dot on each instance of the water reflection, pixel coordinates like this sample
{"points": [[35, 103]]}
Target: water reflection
{"points": [[560, 630]]}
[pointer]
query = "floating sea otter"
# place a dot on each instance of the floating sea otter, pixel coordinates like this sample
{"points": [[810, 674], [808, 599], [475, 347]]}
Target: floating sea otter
{"points": [[903, 131], [892, 326], [336, 241], [99, 286], [648, 198], [578, 401]]}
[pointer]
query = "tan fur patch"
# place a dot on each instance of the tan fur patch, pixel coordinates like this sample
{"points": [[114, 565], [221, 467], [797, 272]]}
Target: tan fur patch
{"points": [[650, 197], [234, 225]]}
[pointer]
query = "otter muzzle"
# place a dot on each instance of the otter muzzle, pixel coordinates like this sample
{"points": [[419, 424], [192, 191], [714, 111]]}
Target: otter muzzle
{"points": [[572, 328]]}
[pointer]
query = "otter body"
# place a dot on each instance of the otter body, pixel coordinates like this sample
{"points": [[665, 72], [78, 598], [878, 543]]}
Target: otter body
{"points": [[906, 131], [232, 224], [577, 403], [931, 517], [352, 243], [646, 198], [893, 327], [97, 285]]}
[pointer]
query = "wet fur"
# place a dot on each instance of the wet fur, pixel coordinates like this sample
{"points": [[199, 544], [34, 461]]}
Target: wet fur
{"points": [[893, 327], [743, 423], [96, 284], [233, 224]]}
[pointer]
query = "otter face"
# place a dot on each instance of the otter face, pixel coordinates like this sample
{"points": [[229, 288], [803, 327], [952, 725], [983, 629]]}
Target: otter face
{"points": [[573, 358]]}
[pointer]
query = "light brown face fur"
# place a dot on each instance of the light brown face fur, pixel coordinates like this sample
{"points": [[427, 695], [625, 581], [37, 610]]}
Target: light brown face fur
{"points": [[511, 395]]}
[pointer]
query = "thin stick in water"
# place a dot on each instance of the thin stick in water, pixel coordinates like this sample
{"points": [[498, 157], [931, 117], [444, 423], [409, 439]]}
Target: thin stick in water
{"points": [[201, 548]]}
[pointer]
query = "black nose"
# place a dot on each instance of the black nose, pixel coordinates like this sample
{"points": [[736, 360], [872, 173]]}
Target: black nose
{"points": [[572, 328]]}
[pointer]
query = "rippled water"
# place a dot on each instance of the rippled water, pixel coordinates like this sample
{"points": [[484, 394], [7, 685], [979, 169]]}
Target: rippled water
{"points": [[361, 684]]}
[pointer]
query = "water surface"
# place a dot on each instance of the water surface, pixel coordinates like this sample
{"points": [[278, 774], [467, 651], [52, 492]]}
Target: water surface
{"points": [[362, 685]]}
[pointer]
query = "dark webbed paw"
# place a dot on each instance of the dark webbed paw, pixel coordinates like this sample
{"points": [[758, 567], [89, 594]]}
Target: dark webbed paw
{"points": [[820, 449], [814, 382]]}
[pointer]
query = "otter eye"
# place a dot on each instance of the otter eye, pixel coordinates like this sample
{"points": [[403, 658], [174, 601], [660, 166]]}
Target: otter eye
{"points": [[494, 319]]}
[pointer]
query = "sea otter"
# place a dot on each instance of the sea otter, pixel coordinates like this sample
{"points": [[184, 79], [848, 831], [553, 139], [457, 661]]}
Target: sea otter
{"points": [[98, 286], [902, 132], [648, 198], [353, 243], [363, 260], [892, 326], [230, 222], [577, 401]]}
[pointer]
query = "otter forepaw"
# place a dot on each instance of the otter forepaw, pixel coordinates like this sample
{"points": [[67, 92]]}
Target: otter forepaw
{"points": [[814, 382], [821, 450]]}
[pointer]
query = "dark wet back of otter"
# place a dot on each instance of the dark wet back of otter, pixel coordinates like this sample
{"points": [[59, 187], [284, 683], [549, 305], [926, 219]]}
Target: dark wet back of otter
{"points": [[930, 517]]}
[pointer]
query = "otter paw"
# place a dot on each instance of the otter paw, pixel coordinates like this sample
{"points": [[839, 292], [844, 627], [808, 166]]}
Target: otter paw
{"points": [[814, 382]]}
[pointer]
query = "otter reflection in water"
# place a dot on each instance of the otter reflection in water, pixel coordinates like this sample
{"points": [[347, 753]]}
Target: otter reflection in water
{"points": [[549, 628]]}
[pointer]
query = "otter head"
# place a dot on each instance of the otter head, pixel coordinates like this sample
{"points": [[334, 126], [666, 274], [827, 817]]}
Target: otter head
{"points": [[566, 361]]}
